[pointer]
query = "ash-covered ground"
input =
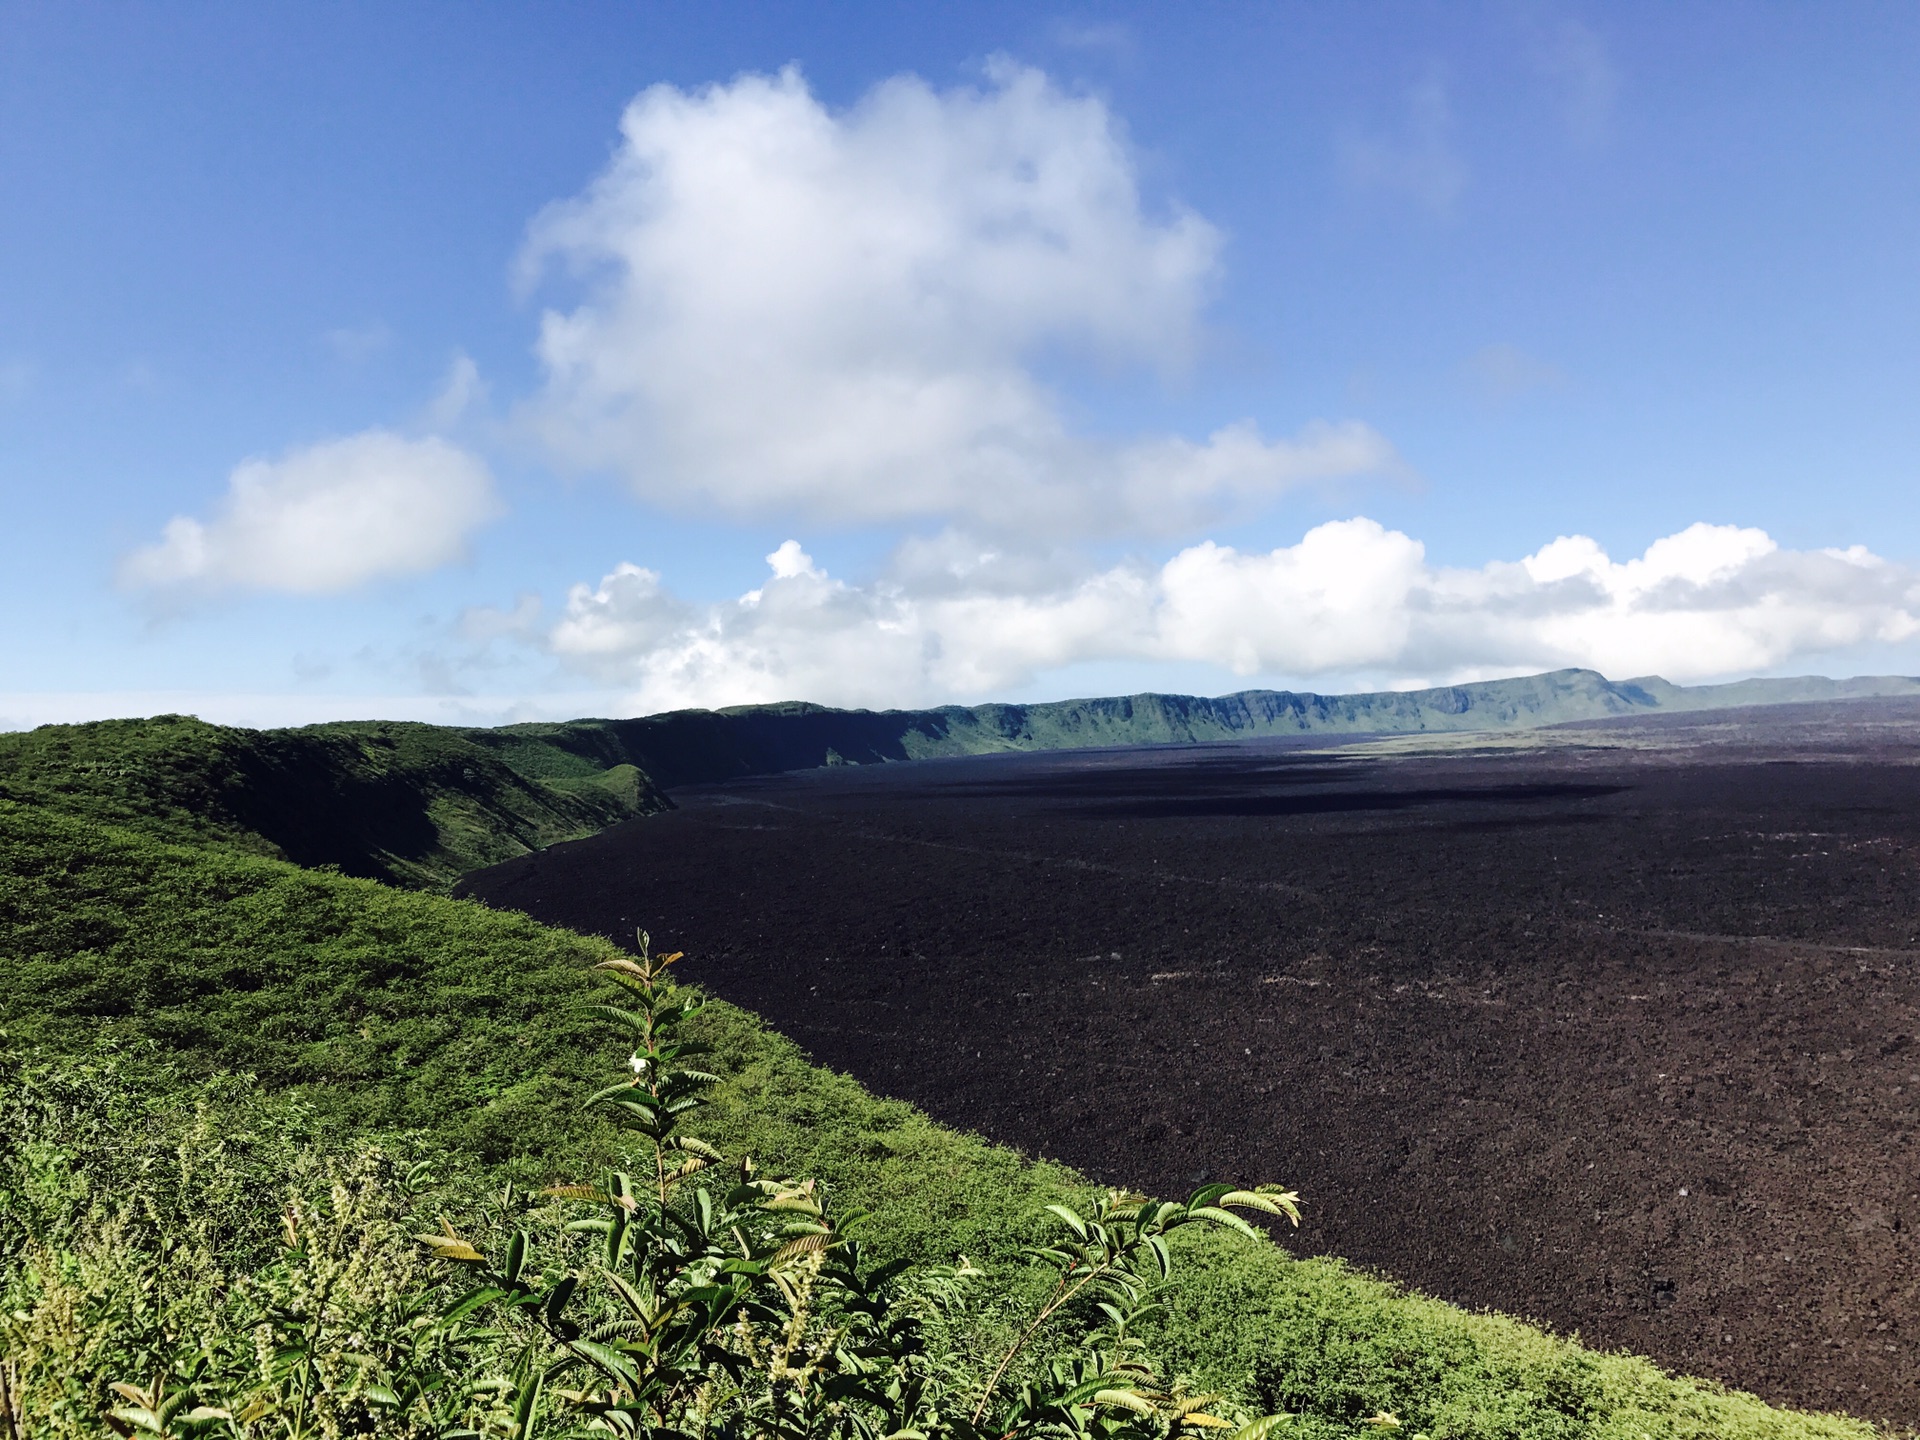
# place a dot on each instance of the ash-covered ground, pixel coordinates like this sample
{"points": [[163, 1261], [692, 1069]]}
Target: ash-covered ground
{"points": [[1612, 1026]]}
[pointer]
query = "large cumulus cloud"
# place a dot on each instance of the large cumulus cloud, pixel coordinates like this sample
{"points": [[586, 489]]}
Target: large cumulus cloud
{"points": [[1352, 597], [839, 316]]}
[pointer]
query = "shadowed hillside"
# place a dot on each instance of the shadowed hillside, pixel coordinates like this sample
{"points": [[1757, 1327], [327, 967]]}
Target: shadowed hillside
{"points": [[413, 805], [686, 747], [420, 805]]}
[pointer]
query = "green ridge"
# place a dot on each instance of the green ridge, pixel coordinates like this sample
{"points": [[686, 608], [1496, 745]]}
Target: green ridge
{"points": [[693, 746], [419, 805], [413, 805]]}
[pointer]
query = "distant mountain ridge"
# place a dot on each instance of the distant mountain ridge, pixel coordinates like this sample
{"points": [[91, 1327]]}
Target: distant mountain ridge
{"points": [[684, 747], [418, 805]]}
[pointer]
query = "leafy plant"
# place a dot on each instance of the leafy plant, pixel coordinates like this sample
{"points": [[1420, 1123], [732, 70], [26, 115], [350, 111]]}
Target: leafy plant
{"points": [[745, 1308]]}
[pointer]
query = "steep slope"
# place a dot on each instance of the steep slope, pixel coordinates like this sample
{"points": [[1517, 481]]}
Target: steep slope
{"points": [[693, 746], [448, 1031], [413, 805]]}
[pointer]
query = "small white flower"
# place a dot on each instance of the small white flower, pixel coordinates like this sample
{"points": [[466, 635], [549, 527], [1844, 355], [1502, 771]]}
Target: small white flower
{"points": [[639, 1065]]}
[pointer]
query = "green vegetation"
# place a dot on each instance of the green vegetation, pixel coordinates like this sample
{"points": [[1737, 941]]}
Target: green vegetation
{"points": [[223, 1075], [691, 746], [414, 805], [744, 1308], [420, 805]]}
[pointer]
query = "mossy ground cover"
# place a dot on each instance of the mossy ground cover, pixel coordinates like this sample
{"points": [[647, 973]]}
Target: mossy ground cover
{"points": [[162, 1002]]}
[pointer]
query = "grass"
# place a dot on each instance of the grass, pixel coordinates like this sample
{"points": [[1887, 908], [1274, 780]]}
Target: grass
{"points": [[412, 805], [152, 992]]}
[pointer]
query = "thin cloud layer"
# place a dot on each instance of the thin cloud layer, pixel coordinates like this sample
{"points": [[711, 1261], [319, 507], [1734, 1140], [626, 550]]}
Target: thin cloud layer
{"points": [[1351, 598], [1576, 60], [836, 316], [1422, 162], [326, 518]]}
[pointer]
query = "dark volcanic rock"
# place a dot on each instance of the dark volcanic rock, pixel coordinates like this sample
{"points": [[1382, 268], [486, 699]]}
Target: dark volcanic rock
{"points": [[1614, 1031]]}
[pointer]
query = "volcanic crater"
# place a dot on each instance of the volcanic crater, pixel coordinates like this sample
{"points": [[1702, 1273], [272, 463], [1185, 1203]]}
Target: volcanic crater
{"points": [[1612, 1026]]}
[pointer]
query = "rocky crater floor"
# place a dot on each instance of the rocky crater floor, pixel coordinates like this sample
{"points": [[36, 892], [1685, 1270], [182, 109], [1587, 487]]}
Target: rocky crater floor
{"points": [[1613, 1026]]}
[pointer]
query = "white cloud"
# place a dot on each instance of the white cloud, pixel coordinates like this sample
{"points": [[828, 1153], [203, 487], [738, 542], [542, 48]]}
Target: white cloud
{"points": [[836, 316], [459, 392], [326, 518], [627, 614], [1350, 599], [357, 344], [1421, 162]]}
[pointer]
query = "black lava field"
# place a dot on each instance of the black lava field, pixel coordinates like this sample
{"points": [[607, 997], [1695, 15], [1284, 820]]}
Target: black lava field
{"points": [[1613, 1027]]}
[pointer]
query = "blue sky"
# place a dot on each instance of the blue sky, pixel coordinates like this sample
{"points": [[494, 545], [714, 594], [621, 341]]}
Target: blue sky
{"points": [[354, 360]]}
